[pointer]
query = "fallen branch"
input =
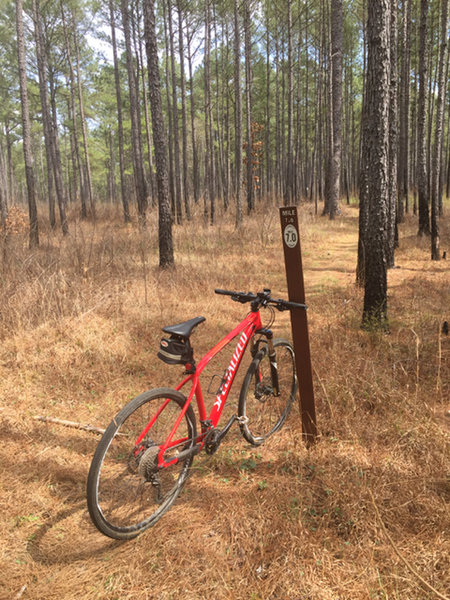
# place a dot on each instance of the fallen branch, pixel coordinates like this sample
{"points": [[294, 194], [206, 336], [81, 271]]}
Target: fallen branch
{"points": [[73, 424], [401, 557]]}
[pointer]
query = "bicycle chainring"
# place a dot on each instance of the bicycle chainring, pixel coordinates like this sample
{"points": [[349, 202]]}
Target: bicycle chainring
{"points": [[212, 441]]}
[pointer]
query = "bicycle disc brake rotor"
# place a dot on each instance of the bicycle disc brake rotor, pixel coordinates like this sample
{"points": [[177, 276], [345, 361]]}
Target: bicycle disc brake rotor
{"points": [[263, 392]]}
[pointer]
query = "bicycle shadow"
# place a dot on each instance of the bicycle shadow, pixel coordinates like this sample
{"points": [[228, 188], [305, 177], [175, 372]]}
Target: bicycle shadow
{"points": [[67, 537], [53, 469]]}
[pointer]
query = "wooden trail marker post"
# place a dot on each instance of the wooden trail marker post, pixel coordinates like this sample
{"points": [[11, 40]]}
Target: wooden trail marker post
{"points": [[299, 323]]}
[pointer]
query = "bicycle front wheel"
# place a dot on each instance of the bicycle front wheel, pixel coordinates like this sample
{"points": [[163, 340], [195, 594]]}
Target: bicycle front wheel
{"points": [[126, 491], [262, 407]]}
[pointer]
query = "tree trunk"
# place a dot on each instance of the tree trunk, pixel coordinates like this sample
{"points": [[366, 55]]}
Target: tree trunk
{"points": [[403, 171], [248, 104], [166, 258], [175, 130], [136, 144], [187, 208], [87, 161], [209, 145], [438, 137], [289, 177], [336, 96], [237, 116], [195, 169], [393, 140], [26, 128], [376, 151], [84, 193], [3, 189], [50, 129], [123, 190], [422, 175], [151, 176]]}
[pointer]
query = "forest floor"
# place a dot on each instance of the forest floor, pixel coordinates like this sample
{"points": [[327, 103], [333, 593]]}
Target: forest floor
{"points": [[362, 514]]}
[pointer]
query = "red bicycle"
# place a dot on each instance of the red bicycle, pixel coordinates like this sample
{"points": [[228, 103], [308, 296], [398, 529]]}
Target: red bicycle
{"points": [[143, 459]]}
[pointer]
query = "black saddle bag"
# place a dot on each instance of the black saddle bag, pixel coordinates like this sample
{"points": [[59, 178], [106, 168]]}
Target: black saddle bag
{"points": [[176, 350]]}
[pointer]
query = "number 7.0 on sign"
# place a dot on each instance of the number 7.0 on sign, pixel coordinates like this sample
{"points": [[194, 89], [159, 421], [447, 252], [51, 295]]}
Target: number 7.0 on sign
{"points": [[290, 235]]}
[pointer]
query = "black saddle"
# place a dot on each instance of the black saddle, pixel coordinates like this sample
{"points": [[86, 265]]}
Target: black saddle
{"points": [[184, 329]]}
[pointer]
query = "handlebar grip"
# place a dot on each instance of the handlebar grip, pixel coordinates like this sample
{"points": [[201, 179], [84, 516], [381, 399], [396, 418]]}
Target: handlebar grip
{"points": [[287, 305], [241, 297]]}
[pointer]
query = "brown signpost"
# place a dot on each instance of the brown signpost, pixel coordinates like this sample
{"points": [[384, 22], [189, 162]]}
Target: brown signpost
{"points": [[299, 323]]}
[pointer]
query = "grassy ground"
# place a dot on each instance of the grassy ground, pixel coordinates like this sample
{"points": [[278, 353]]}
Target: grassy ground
{"points": [[364, 514]]}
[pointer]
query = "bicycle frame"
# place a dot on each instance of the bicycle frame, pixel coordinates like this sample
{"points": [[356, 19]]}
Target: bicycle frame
{"points": [[246, 329]]}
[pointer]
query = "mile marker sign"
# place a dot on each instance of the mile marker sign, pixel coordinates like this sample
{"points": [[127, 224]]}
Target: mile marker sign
{"points": [[299, 323]]}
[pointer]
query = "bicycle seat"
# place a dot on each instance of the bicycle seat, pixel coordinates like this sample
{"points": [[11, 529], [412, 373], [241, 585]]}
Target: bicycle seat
{"points": [[184, 329]]}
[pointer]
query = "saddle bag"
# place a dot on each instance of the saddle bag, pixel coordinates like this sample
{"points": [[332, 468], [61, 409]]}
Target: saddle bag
{"points": [[176, 350]]}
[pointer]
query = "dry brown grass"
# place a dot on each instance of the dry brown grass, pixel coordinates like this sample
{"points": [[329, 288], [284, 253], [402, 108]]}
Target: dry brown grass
{"points": [[364, 514]]}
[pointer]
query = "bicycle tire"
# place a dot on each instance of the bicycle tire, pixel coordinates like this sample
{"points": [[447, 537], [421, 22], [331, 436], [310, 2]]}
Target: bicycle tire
{"points": [[262, 413], [125, 493]]}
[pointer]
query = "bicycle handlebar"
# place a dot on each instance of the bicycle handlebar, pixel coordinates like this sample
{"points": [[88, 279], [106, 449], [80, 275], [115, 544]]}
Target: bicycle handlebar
{"points": [[261, 299]]}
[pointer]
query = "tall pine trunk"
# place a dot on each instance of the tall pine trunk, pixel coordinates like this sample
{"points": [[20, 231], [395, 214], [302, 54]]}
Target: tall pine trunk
{"points": [[336, 97], [166, 258], [403, 166], [136, 143], [376, 158], [237, 116], [438, 137], [187, 208], [422, 174], [248, 105], [393, 140], [26, 128], [54, 168], [123, 190]]}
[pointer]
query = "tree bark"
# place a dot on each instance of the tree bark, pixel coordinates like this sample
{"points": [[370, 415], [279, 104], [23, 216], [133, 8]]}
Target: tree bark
{"points": [[422, 175], [187, 208], [289, 177], [393, 140], [50, 130], [123, 190], [438, 137], [237, 116], [84, 192], [336, 96], [26, 128], [403, 167], [87, 161], [248, 105], [376, 151], [136, 144], [195, 167], [175, 130], [166, 258]]}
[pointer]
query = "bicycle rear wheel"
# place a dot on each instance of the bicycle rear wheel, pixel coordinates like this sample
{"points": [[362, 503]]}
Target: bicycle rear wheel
{"points": [[126, 492], [264, 412]]}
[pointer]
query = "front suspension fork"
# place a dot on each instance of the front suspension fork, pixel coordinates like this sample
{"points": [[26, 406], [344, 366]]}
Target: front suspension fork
{"points": [[272, 359]]}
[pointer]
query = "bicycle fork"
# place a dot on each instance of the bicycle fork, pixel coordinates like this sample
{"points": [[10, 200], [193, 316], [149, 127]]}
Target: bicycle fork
{"points": [[273, 362]]}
